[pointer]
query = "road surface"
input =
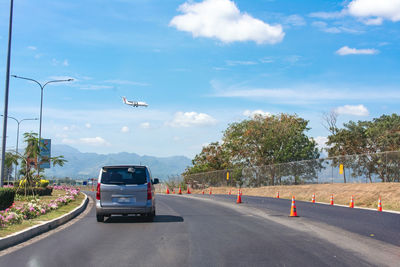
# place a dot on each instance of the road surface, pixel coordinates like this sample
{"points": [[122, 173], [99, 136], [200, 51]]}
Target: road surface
{"points": [[205, 231]]}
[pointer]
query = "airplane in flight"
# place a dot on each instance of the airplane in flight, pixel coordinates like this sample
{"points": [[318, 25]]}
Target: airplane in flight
{"points": [[134, 103]]}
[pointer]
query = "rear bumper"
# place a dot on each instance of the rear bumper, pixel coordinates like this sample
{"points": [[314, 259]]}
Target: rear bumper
{"points": [[122, 210]]}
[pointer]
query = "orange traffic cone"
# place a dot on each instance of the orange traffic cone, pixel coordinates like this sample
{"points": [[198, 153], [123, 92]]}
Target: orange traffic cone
{"points": [[188, 191], [210, 191], [277, 194], [293, 210], [379, 204], [229, 192], [332, 199], [239, 198], [180, 191], [313, 198], [173, 191], [351, 202], [202, 192], [167, 191], [241, 192]]}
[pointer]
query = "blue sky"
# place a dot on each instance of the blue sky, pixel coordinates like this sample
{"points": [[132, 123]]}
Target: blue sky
{"points": [[200, 65]]}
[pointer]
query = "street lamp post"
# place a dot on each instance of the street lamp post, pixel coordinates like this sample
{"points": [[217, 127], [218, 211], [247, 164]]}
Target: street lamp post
{"points": [[6, 91], [41, 101], [16, 149]]}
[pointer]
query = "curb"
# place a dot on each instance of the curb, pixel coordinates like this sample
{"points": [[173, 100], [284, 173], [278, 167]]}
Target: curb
{"points": [[33, 231]]}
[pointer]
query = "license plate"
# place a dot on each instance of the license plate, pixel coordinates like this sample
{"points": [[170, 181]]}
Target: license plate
{"points": [[124, 199]]}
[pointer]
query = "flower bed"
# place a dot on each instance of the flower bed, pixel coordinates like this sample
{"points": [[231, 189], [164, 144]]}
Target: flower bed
{"points": [[35, 207]]}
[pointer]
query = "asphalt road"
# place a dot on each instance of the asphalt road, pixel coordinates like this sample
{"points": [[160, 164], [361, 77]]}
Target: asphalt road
{"points": [[200, 231], [382, 226]]}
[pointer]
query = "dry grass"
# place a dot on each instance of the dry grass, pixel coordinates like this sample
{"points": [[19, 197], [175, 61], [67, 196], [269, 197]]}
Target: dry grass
{"points": [[365, 195]]}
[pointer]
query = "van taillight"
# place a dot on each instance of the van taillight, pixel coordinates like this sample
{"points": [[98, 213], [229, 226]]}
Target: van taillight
{"points": [[149, 197], [98, 191]]}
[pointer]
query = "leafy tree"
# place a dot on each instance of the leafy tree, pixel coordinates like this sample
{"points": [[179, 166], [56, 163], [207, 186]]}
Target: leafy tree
{"points": [[368, 137], [259, 141], [266, 140]]}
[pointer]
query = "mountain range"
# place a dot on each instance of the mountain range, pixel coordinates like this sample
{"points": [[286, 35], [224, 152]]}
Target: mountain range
{"points": [[87, 165]]}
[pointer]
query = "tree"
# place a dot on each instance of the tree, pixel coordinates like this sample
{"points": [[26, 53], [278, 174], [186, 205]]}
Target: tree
{"points": [[259, 142], [212, 157], [368, 137], [266, 140]]}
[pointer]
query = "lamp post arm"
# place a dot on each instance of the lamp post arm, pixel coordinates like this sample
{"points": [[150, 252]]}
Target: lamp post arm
{"points": [[29, 79]]}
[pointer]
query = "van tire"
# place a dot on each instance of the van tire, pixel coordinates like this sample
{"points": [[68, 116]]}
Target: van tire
{"points": [[100, 218]]}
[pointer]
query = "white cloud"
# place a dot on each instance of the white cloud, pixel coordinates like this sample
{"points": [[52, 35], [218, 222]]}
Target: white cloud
{"points": [[359, 110], [124, 129], [145, 125], [88, 125], [94, 141], [345, 50], [238, 62], [267, 60], [328, 15], [295, 20], [321, 141], [125, 82], [221, 19], [65, 63], [304, 94], [32, 48], [188, 119], [373, 11], [253, 113], [93, 87], [370, 12], [69, 128], [68, 141], [323, 26]]}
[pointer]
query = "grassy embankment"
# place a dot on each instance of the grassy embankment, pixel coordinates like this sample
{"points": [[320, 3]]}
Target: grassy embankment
{"points": [[365, 195], [45, 217]]}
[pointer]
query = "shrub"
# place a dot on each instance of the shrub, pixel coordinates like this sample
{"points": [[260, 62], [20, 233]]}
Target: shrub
{"points": [[44, 183], [6, 197], [39, 191]]}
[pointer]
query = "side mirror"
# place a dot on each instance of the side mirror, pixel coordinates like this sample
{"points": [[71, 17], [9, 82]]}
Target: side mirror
{"points": [[156, 181]]}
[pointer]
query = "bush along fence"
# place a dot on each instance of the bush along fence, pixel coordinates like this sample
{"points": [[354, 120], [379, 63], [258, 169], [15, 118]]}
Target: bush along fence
{"points": [[17, 213], [365, 168]]}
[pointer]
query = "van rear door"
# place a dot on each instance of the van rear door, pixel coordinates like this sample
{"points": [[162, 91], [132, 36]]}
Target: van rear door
{"points": [[124, 187]]}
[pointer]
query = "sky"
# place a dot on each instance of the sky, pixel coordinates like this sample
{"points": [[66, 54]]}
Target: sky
{"points": [[200, 65]]}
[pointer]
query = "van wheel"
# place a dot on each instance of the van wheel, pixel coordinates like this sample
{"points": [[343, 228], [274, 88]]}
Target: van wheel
{"points": [[100, 218]]}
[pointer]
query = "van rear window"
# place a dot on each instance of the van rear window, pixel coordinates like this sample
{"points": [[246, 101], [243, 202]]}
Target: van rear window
{"points": [[124, 175]]}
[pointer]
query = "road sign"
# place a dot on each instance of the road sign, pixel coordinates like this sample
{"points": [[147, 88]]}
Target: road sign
{"points": [[45, 153]]}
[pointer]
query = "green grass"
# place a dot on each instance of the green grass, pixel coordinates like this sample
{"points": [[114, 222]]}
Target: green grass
{"points": [[45, 217]]}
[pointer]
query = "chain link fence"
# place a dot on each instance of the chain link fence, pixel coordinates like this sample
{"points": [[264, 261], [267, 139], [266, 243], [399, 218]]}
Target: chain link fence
{"points": [[364, 168]]}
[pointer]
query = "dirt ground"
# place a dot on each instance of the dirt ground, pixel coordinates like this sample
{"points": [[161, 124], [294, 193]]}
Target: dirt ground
{"points": [[365, 195]]}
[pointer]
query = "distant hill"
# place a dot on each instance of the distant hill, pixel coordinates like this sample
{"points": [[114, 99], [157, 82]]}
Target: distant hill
{"points": [[87, 165]]}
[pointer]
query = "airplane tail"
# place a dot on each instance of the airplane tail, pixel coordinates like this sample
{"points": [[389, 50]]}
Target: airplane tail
{"points": [[124, 99]]}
